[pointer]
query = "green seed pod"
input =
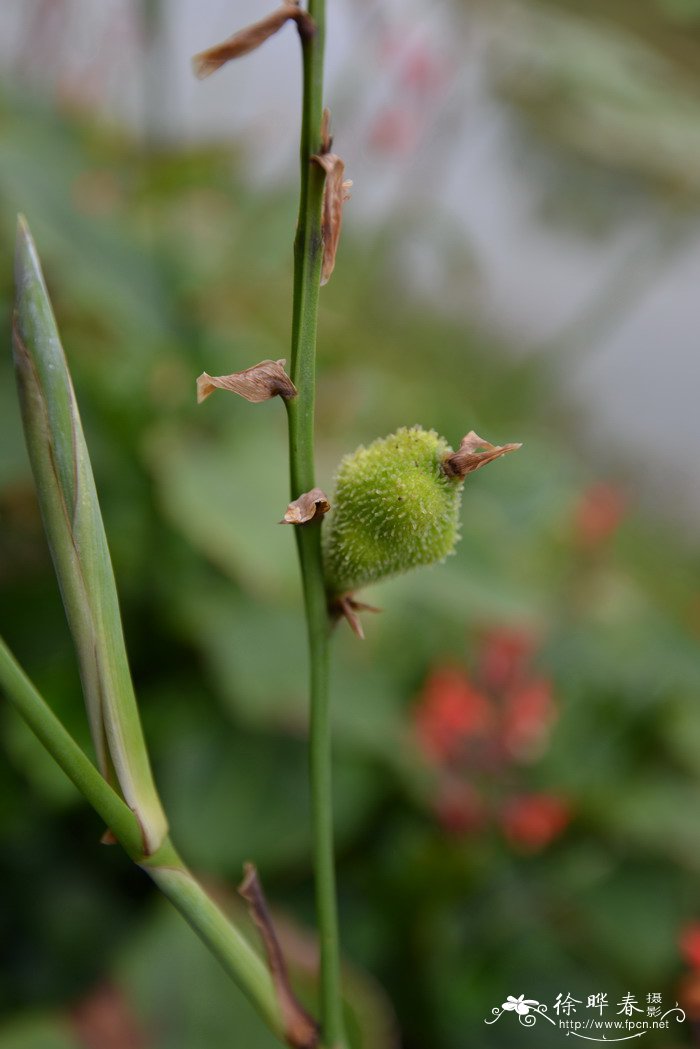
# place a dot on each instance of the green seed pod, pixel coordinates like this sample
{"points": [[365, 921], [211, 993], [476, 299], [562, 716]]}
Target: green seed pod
{"points": [[396, 506]]}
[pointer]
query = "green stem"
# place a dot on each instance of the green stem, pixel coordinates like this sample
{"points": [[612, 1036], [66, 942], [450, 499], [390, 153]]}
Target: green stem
{"points": [[165, 866], [308, 251], [219, 935], [65, 751]]}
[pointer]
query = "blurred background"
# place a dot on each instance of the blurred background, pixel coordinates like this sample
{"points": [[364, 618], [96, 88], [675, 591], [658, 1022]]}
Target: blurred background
{"points": [[518, 740]]}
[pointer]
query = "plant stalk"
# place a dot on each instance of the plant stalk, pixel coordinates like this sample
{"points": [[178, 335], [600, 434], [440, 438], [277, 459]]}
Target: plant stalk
{"points": [[165, 867], [231, 949], [116, 814], [308, 252]]}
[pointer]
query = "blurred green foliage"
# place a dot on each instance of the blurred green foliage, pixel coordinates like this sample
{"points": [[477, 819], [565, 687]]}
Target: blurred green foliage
{"points": [[165, 263]]}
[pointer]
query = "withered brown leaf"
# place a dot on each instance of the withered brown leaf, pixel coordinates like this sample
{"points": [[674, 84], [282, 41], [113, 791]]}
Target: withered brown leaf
{"points": [[473, 453], [259, 383], [308, 506], [335, 193], [300, 1029], [241, 43]]}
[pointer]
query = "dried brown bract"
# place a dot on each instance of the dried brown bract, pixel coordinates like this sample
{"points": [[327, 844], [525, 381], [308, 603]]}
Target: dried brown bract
{"points": [[326, 137], [335, 193], [346, 607], [250, 38], [307, 507], [259, 383], [300, 1029], [473, 453]]}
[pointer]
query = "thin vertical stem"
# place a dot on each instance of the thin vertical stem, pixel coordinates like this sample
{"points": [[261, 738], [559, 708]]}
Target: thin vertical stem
{"points": [[308, 251]]}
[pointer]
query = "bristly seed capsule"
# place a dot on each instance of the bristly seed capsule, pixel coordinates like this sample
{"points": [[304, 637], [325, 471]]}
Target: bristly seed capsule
{"points": [[397, 504]]}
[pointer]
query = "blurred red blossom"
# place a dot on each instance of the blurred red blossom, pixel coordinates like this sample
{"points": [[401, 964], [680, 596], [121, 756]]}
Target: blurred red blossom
{"points": [[459, 807], [419, 65], [528, 715], [474, 733], [419, 74], [689, 994], [395, 130], [103, 1019], [510, 710], [505, 652], [450, 712], [598, 514], [689, 944], [532, 821]]}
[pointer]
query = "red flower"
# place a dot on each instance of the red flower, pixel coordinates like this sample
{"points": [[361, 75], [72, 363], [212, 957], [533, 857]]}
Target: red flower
{"points": [[459, 807], [532, 821], [504, 656], [528, 714], [689, 944], [450, 712], [420, 67], [396, 130], [600, 510], [423, 69]]}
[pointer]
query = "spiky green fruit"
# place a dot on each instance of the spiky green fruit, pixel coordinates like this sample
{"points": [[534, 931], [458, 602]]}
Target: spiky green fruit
{"points": [[395, 508]]}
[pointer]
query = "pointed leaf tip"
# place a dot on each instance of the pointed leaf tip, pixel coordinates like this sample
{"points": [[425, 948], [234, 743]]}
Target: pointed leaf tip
{"points": [[27, 265], [22, 226]]}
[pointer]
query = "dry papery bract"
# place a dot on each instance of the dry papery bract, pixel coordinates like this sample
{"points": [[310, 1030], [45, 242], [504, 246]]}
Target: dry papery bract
{"points": [[259, 383], [346, 607], [335, 194], [246, 40], [308, 507], [301, 1030], [473, 453]]}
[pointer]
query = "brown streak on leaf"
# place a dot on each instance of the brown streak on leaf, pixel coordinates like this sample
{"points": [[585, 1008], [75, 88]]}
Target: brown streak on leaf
{"points": [[148, 848], [259, 383], [308, 507], [24, 360], [301, 1030], [468, 458], [246, 40]]}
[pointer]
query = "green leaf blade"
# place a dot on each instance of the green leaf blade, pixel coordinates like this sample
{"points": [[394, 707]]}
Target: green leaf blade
{"points": [[76, 536]]}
